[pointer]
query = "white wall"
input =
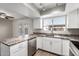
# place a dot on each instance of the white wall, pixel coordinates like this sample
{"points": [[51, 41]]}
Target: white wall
{"points": [[9, 28], [19, 21], [5, 29], [37, 23]]}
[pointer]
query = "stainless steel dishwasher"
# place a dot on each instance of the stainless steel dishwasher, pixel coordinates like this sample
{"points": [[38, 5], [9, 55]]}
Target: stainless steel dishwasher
{"points": [[31, 46]]}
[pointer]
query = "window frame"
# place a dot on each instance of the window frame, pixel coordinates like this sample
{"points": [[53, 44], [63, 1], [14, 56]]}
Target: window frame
{"points": [[58, 24], [62, 24]]}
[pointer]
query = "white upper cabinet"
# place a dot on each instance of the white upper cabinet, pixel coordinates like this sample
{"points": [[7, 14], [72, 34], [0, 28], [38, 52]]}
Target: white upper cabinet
{"points": [[72, 10], [71, 6], [73, 19], [37, 23], [78, 17]]}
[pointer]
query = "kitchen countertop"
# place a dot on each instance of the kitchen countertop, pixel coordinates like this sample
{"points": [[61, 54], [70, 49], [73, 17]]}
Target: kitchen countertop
{"points": [[65, 37], [16, 40], [58, 33]]}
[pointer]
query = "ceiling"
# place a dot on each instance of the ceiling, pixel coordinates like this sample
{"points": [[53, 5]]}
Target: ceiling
{"points": [[46, 8], [21, 10], [40, 6], [18, 10]]}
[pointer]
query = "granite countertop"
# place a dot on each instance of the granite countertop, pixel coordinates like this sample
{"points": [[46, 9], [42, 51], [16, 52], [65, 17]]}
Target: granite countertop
{"points": [[58, 33], [64, 37], [71, 38], [16, 40]]}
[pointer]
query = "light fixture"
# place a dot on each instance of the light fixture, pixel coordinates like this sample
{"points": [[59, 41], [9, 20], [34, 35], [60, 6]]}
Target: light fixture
{"points": [[2, 15], [42, 7], [57, 11]]}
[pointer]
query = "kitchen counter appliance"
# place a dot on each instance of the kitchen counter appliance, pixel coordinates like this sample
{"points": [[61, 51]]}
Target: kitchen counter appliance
{"points": [[31, 46]]}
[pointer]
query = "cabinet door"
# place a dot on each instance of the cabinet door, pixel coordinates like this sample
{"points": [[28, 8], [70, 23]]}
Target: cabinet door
{"points": [[5, 50], [47, 43], [72, 19], [39, 42], [78, 18], [65, 49], [20, 53], [56, 45], [71, 6], [19, 49]]}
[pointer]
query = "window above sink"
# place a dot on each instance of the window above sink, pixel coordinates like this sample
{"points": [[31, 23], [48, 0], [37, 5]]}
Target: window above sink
{"points": [[54, 24]]}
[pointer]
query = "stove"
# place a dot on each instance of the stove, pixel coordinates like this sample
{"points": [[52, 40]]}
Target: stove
{"points": [[76, 43], [74, 48]]}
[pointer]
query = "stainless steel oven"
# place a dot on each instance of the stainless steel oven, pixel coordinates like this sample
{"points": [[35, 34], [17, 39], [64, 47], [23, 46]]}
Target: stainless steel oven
{"points": [[71, 53], [31, 46], [74, 51]]}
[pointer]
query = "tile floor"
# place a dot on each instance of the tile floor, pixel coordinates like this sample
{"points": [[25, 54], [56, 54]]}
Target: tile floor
{"points": [[43, 53]]}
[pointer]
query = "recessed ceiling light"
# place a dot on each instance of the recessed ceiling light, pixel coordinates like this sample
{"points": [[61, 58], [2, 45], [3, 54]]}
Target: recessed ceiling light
{"points": [[57, 11], [43, 9]]}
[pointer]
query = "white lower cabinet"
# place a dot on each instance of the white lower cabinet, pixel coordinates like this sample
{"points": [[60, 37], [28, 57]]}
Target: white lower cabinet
{"points": [[19, 49], [47, 44], [39, 42], [65, 47], [54, 45]]}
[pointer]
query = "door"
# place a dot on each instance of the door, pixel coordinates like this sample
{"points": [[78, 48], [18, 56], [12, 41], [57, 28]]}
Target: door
{"points": [[47, 44], [56, 45]]}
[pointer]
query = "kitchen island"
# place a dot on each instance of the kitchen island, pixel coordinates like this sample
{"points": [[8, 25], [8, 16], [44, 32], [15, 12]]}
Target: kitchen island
{"points": [[15, 46]]}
